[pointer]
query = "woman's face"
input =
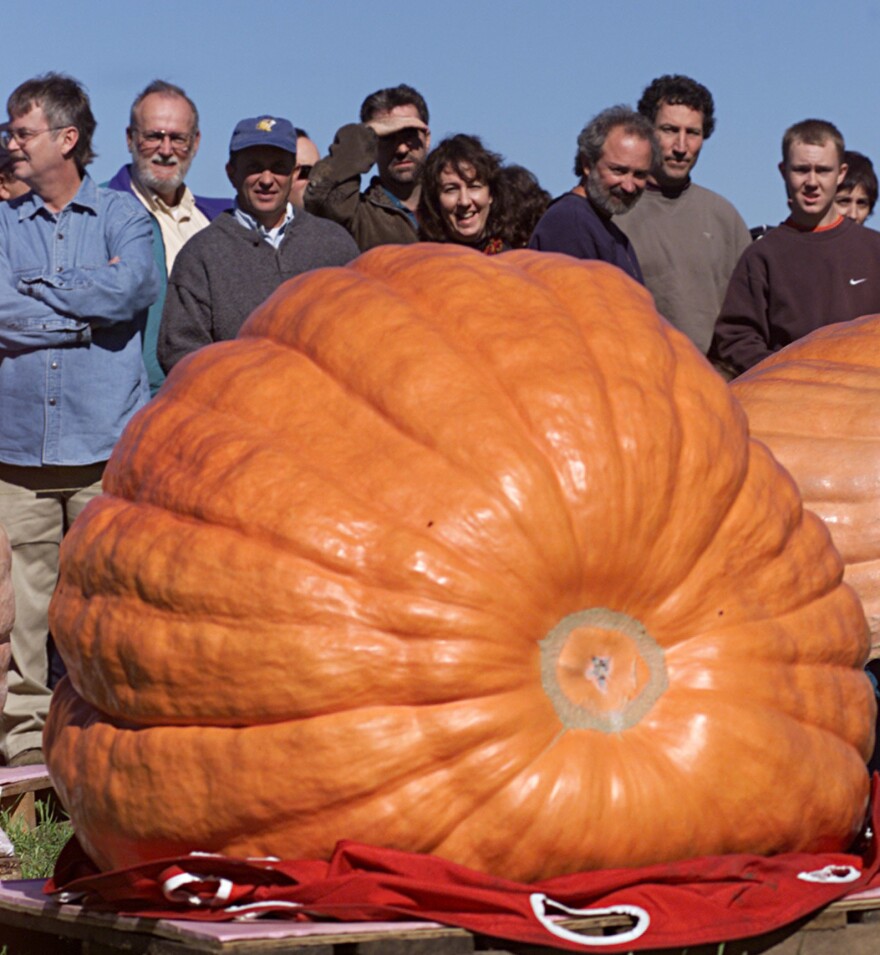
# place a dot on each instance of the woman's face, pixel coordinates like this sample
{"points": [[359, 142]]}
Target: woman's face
{"points": [[465, 202]]}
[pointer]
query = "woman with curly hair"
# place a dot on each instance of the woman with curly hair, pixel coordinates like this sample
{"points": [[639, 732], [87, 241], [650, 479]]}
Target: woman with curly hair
{"points": [[463, 196]]}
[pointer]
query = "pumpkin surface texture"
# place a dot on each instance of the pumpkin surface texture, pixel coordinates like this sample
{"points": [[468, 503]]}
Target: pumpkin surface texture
{"points": [[455, 554], [816, 404]]}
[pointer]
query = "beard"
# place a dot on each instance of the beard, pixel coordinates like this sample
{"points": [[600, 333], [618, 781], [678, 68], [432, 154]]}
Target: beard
{"points": [[406, 176], [607, 201], [146, 174]]}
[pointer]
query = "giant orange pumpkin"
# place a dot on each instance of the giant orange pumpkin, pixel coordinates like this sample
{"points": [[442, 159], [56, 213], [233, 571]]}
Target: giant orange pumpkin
{"points": [[461, 555], [816, 404]]}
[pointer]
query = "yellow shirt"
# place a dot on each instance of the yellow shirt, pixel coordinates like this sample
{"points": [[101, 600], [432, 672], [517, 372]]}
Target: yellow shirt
{"points": [[178, 223]]}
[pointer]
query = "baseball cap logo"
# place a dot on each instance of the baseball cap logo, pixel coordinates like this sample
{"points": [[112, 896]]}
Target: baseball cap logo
{"points": [[266, 124]]}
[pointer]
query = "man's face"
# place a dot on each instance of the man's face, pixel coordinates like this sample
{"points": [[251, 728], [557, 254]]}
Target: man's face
{"points": [[306, 156], [161, 162], [41, 150], [402, 155], [679, 131], [853, 203], [262, 176], [617, 180], [812, 173]]}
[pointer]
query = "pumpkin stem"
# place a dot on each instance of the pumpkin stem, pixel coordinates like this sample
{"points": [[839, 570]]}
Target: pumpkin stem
{"points": [[602, 670]]}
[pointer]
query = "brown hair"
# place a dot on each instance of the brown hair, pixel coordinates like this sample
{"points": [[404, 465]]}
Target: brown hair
{"points": [[813, 132]]}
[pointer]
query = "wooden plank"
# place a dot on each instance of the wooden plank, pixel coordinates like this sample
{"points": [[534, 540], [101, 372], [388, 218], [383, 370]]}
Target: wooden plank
{"points": [[23, 809], [18, 785], [853, 940], [15, 780], [23, 907]]}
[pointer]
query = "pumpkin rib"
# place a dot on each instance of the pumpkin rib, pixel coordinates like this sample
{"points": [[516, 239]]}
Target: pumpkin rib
{"points": [[139, 701], [193, 665], [791, 528], [440, 332], [334, 573], [479, 479], [604, 390], [219, 518], [730, 502], [597, 369], [769, 437], [785, 705], [653, 814], [544, 265], [257, 763]]}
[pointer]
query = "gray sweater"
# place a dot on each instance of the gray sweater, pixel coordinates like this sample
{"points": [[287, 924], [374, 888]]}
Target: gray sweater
{"points": [[225, 271], [688, 245]]}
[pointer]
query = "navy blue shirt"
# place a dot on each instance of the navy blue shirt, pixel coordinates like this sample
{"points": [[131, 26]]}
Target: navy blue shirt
{"points": [[71, 371], [571, 225]]}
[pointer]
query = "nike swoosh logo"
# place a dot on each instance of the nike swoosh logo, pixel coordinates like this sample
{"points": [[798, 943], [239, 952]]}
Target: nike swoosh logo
{"points": [[857, 281]]}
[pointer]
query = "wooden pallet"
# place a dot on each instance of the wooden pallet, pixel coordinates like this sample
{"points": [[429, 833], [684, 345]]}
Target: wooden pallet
{"points": [[31, 925]]}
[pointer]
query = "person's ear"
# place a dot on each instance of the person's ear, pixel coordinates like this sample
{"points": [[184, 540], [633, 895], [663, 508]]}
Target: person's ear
{"points": [[69, 139]]}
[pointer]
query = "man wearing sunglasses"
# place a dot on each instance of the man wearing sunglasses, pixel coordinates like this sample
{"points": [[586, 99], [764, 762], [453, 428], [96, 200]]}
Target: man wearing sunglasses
{"points": [[306, 156], [76, 278], [163, 139]]}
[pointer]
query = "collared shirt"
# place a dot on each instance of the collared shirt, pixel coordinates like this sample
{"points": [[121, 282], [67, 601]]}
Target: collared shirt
{"points": [[71, 371], [178, 223], [272, 236], [410, 213]]}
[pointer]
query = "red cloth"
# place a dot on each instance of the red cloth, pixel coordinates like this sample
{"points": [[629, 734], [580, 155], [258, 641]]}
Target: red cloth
{"points": [[698, 901]]}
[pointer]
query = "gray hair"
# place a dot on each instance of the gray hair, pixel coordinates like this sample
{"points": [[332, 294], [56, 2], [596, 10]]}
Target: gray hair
{"points": [[592, 137], [162, 88]]}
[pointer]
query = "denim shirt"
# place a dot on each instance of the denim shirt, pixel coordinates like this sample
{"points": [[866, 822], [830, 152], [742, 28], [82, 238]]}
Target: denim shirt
{"points": [[71, 324]]}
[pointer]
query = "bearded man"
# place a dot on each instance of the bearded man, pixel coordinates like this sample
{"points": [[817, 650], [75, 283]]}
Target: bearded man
{"points": [[163, 139], [616, 152]]}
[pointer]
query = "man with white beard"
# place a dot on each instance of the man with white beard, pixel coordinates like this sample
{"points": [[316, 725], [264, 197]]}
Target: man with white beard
{"points": [[616, 152], [163, 139]]}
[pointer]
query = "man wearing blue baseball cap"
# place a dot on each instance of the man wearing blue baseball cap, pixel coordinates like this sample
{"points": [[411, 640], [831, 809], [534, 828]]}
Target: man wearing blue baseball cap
{"points": [[225, 271]]}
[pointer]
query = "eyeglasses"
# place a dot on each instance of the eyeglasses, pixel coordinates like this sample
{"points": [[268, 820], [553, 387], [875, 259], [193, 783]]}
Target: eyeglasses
{"points": [[23, 136], [302, 172], [152, 139]]}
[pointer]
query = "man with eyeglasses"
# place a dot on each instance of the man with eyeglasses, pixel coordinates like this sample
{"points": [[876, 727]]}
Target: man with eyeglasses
{"points": [[163, 139], [76, 278]]}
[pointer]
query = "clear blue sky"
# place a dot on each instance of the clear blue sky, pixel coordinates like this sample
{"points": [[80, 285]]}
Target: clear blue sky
{"points": [[525, 76]]}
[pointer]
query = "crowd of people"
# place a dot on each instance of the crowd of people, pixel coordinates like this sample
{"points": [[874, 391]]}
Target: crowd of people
{"points": [[103, 289]]}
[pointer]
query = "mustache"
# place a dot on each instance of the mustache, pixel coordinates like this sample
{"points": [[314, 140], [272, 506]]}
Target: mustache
{"points": [[164, 161]]}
